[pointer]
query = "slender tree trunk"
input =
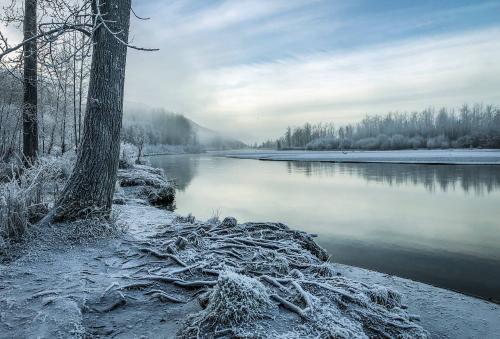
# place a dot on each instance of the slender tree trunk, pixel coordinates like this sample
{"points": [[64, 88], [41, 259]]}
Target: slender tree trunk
{"points": [[53, 133], [89, 191], [30, 123], [80, 90], [75, 127], [42, 123], [64, 114]]}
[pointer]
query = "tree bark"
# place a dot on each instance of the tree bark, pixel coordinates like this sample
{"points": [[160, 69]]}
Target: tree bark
{"points": [[30, 102], [89, 191]]}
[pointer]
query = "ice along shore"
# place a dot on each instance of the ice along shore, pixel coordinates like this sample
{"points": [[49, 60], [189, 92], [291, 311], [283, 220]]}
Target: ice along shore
{"points": [[432, 157]]}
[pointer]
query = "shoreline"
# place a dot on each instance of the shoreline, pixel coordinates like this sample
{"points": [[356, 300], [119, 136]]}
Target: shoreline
{"points": [[420, 157]]}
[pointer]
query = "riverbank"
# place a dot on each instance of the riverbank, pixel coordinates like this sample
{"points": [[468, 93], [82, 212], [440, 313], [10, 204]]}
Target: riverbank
{"points": [[155, 278], [434, 157]]}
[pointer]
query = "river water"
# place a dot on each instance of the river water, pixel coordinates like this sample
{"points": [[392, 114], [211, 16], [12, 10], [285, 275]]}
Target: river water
{"points": [[438, 224]]}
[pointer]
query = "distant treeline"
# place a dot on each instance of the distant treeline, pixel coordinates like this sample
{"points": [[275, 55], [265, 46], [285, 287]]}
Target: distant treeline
{"points": [[158, 127], [476, 126]]}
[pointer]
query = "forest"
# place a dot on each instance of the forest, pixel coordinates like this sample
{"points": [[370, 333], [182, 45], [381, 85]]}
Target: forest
{"points": [[471, 126]]}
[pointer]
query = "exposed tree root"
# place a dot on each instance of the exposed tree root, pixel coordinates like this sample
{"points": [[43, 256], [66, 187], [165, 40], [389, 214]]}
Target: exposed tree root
{"points": [[292, 307], [286, 267], [163, 255], [164, 297]]}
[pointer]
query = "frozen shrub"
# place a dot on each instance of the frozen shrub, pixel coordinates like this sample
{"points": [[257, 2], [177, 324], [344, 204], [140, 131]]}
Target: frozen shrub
{"points": [[269, 261], [324, 270], [438, 142], [237, 298], [324, 143], [163, 196], [14, 218], [229, 222], [128, 154], [384, 296], [26, 199], [417, 142], [215, 218], [189, 219], [367, 144], [384, 141], [138, 175], [399, 142]]}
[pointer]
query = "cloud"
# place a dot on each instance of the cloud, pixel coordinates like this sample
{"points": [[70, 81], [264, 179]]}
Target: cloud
{"points": [[409, 75]]}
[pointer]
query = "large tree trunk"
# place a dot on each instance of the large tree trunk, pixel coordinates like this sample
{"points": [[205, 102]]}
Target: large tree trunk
{"points": [[30, 122], [89, 191]]}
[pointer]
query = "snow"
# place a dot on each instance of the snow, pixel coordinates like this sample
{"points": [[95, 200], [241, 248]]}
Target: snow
{"points": [[450, 156], [444, 313], [170, 274]]}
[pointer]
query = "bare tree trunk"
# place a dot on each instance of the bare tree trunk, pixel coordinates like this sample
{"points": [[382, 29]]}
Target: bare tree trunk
{"points": [[65, 111], [53, 133], [89, 191], [30, 123], [80, 90], [75, 127]]}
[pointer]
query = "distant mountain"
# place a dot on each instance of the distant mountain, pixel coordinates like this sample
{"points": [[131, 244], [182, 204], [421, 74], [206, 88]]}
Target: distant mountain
{"points": [[213, 138], [138, 113]]}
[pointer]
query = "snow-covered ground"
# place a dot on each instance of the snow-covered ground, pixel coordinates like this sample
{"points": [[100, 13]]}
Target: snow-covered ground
{"points": [[444, 313], [42, 296], [451, 156]]}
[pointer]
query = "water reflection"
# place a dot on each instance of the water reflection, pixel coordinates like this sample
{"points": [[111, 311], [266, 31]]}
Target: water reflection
{"points": [[438, 224], [475, 178], [179, 168]]}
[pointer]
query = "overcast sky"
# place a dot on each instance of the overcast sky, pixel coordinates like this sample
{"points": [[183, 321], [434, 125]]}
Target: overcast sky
{"points": [[252, 67]]}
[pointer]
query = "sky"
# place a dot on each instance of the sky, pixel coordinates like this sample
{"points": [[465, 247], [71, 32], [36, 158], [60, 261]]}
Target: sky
{"points": [[250, 68]]}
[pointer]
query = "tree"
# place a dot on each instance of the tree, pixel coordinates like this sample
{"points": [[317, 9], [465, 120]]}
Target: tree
{"points": [[30, 101], [90, 189]]}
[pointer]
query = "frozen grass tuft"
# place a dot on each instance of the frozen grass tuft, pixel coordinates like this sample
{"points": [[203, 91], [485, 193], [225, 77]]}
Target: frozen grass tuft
{"points": [[324, 270], [13, 213], [384, 296], [82, 231], [237, 298], [234, 300], [26, 198]]}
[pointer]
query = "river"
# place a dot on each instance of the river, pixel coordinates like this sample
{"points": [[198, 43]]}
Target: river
{"points": [[438, 224]]}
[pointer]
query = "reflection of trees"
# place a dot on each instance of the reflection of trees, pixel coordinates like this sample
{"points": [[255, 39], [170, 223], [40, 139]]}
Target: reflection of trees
{"points": [[477, 178], [179, 168]]}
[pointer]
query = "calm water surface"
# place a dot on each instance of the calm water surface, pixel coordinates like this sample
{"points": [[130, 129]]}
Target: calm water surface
{"points": [[436, 224]]}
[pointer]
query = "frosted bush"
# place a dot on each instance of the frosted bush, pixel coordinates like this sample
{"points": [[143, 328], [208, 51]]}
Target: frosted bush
{"points": [[324, 270], [384, 296], [13, 212], [399, 141], [323, 143], [367, 144], [237, 298], [27, 199], [438, 142], [128, 154], [417, 142]]}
